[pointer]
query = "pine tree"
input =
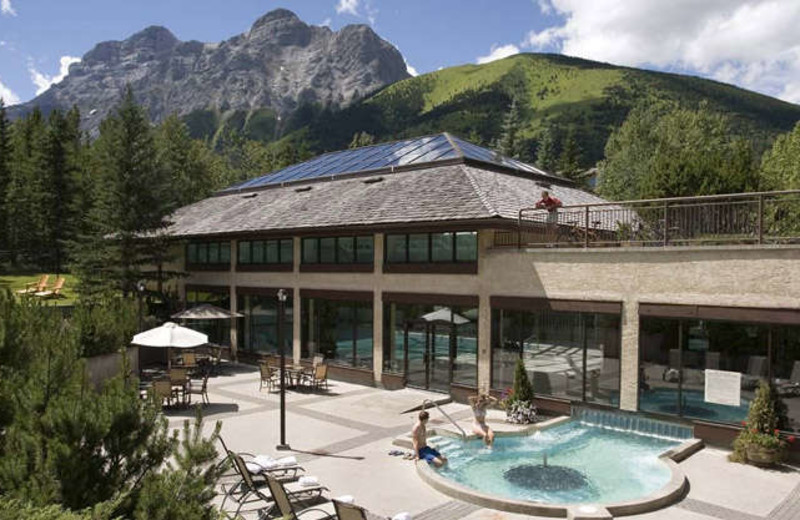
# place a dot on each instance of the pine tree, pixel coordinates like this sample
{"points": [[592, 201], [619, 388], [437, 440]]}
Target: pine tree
{"points": [[508, 144], [184, 161], [569, 162], [546, 154], [135, 198], [361, 139], [5, 173]]}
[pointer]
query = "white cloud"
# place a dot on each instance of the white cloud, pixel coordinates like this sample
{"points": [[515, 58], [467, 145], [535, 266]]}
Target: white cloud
{"points": [[751, 43], [6, 8], [348, 6], [410, 68], [498, 52], [325, 23], [8, 96], [44, 82]]}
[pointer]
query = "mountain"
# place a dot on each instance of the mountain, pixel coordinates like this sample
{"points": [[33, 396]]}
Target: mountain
{"points": [[278, 65], [552, 91]]}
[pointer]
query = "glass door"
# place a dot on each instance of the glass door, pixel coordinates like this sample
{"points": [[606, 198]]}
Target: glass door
{"points": [[429, 351]]}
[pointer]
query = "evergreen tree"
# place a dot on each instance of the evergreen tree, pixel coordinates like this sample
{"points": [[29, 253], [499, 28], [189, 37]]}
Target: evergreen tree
{"points": [[184, 161], [5, 165], [509, 142], [27, 190], [780, 167], [361, 139], [136, 197], [546, 153], [569, 162]]}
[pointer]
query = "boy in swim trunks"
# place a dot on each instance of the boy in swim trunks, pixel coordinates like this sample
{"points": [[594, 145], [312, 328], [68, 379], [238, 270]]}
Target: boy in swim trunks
{"points": [[419, 436]]}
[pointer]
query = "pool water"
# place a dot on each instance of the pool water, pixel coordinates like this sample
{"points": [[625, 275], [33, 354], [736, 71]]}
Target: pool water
{"points": [[585, 464]]}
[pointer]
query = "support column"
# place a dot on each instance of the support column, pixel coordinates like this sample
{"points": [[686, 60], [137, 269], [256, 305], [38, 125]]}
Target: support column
{"points": [[377, 309], [297, 304], [484, 353], [629, 357], [234, 303]]}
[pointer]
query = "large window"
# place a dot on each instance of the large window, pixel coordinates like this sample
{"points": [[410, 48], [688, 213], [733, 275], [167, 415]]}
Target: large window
{"points": [[340, 330], [265, 252], [338, 250], [258, 329], [218, 331], [676, 355], [208, 253], [571, 355], [445, 338], [423, 248]]}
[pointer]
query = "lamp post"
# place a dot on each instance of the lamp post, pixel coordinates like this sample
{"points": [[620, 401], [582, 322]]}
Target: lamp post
{"points": [[140, 288], [281, 303]]}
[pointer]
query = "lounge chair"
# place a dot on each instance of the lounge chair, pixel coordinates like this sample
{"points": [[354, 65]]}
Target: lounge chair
{"points": [[285, 504], [35, 287], [348, 511], [791, 386], [53, 292], [249, 491]]}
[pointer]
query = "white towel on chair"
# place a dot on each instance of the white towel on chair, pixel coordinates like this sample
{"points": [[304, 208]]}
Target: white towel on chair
{"points": [[308, 481], [253, 468], [402, 516], [287, 461], [346, 499], [266, 462]]}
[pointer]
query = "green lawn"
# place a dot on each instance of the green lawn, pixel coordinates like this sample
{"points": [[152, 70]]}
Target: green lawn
{"points": [[18, 281]]}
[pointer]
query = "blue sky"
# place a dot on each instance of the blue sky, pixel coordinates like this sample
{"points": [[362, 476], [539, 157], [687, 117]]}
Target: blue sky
{"points": [[751, 43]]}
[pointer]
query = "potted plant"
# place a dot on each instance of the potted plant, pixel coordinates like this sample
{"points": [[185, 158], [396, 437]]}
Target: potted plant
{"points": [[518, 401], [760, 442]]}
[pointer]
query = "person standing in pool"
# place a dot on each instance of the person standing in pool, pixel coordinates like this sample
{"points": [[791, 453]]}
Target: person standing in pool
{"points": [[479, 404], [419, 437]]}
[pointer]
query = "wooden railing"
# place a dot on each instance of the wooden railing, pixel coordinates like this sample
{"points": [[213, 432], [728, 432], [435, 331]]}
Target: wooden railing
{"points": [[747, 218]]}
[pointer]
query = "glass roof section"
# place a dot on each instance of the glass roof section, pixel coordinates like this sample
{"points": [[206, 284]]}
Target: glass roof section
{"points": [[409, 152]]}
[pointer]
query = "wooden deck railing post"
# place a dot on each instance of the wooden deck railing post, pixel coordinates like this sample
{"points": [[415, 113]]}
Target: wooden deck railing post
{"points": [[666, 223], [586, 228]]}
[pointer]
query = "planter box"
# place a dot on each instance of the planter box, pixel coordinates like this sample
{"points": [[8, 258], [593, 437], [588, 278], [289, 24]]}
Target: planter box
{"points": [[106, 366], [763, 457]]}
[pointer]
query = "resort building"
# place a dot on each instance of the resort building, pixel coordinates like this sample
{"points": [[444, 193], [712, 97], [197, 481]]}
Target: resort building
{"points": [[421, 263]]}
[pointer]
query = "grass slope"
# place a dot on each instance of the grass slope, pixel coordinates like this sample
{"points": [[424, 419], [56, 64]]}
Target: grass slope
{"points": [[553, 90], [17, 282]]}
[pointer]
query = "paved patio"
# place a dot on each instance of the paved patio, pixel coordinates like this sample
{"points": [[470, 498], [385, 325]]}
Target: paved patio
{"points": [[343, 437]]}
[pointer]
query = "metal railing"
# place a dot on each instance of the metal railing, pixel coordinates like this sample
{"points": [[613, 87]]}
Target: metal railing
{"points": [[463, 433], [746, 218]]}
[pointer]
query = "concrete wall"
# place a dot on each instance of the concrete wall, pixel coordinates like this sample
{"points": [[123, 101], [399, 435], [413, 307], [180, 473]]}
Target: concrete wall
{"points": [[104, 367], [746, 276]]}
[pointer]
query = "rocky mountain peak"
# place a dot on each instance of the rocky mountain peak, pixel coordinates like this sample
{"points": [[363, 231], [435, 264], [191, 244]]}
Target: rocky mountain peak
{"points": [[278, 65]]}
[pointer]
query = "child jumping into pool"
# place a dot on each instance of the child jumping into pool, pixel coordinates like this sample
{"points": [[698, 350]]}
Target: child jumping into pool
{"points": [[479, 404], [419, 436]]}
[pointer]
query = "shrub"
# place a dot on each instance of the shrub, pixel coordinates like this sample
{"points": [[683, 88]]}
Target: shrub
{"points": [[767, 416]]}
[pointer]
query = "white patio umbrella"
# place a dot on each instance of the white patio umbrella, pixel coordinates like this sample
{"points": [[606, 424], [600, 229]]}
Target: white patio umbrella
{"points": [[170, 335], [445, 314]]}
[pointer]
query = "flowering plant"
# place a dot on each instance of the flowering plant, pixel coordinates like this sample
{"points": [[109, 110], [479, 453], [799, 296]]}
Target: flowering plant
{"points": [[761, 431]]}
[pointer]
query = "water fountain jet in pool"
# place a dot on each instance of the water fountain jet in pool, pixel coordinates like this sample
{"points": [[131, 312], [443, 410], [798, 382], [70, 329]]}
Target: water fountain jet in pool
{"points": [[544, 477]]}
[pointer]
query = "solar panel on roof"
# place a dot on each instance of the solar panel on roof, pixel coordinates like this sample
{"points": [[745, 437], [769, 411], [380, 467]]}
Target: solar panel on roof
{"points": [[419, 150]]}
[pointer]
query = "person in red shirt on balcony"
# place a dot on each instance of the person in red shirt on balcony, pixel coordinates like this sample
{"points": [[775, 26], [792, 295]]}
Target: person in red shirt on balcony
{"points": [[551, 204]]}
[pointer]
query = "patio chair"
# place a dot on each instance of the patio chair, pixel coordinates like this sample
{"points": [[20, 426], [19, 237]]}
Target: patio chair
{"points": [[189, 359], [53, 292], [198, 387], [163, 391], [178, 377], [319, 377], [285, 504], [283, 472], [269, 376], [34, 287], [249, 491], [318, 359]]}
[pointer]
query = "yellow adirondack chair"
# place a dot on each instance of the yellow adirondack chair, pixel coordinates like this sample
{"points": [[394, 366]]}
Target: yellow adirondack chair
{"points": [[34, 287], [53, 292]]}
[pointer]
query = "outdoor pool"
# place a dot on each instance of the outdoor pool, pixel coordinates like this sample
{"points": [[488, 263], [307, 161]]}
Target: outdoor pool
{"points": [[584, 464]]}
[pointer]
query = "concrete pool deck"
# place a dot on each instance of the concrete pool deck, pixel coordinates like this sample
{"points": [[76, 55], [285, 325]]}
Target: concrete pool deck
{"points": [[343, 437]]}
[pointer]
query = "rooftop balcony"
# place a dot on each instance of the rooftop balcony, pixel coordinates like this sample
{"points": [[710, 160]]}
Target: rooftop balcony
{"points": [[736, 219]]}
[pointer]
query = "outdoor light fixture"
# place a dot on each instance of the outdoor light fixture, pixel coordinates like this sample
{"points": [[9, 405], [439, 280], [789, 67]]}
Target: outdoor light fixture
{"points": [[140, 288], [281, 310]]}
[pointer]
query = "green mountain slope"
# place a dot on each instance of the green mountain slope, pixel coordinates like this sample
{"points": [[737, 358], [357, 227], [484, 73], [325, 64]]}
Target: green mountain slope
{"points": [[552, 91]]}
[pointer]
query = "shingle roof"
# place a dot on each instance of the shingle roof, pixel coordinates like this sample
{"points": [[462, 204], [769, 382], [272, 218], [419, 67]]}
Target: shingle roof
{"points": [[408, 153], [453, 192]]}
